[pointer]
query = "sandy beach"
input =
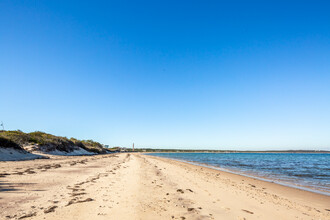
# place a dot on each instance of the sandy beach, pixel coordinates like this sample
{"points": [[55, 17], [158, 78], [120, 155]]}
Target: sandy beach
{"points": [[136, 186]]}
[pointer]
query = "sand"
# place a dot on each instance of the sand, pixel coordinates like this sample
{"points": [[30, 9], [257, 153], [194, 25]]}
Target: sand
{"points": [[135, 186], [10, 154], [27, 153]]}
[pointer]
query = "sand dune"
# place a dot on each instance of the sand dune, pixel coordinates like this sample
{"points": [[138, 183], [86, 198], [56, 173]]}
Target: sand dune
{"points": [[134, 186], [11, 154]]}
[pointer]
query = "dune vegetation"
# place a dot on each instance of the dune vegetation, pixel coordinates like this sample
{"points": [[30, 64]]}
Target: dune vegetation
{"points": [[18, 140]]}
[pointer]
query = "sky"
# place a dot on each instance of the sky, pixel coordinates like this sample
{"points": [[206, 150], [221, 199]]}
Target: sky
{"points": [[241, 75]]}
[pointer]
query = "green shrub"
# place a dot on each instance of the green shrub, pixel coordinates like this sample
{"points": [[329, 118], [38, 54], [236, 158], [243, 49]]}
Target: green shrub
{"points": [[6, 143], [18, 138]]}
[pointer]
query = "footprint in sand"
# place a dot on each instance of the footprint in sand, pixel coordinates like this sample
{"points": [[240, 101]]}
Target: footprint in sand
{"points": [[50, 209], [225, 208], [28, 215]]}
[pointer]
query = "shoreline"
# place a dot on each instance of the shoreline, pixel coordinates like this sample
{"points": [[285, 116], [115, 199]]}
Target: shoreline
{"points": [[276, 181], [275, 190]]}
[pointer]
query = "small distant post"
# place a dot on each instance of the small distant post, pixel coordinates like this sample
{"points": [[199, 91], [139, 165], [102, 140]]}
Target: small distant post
{"points": [[3, 127], [133, 147]]}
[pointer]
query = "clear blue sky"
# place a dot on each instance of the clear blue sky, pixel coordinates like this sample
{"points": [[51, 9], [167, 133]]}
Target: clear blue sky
{"points": [[175, 74]]}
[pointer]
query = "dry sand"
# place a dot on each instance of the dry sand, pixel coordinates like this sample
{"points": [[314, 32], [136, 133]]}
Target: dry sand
{"points": [[135, 186]]}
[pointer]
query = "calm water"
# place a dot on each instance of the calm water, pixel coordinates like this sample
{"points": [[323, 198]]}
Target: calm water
{"points": [[295, 169]]}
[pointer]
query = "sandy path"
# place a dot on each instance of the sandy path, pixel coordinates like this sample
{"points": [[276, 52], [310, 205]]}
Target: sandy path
{"points": [[133, 186]]}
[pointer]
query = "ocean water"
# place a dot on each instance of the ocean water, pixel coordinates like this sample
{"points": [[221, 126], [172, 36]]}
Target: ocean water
{"points": [[310, 171]]}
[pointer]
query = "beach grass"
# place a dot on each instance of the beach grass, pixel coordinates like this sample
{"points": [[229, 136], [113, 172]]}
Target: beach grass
{"points": [[17, 139]]}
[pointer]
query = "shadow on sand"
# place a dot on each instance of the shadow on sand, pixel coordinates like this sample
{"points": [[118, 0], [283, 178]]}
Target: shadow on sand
{"points": [[15, 187]]}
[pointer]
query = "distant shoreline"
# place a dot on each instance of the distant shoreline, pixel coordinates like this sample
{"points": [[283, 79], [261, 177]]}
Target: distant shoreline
{"points": [[229, 151]]}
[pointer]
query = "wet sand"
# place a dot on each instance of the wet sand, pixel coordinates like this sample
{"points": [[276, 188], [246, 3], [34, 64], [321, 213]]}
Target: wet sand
{"points": [[135, 186]]}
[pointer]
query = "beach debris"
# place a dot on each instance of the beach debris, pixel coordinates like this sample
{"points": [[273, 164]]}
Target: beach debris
{"points": [[190, 209], [190, 190], [180, 190], [247, 211]]}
